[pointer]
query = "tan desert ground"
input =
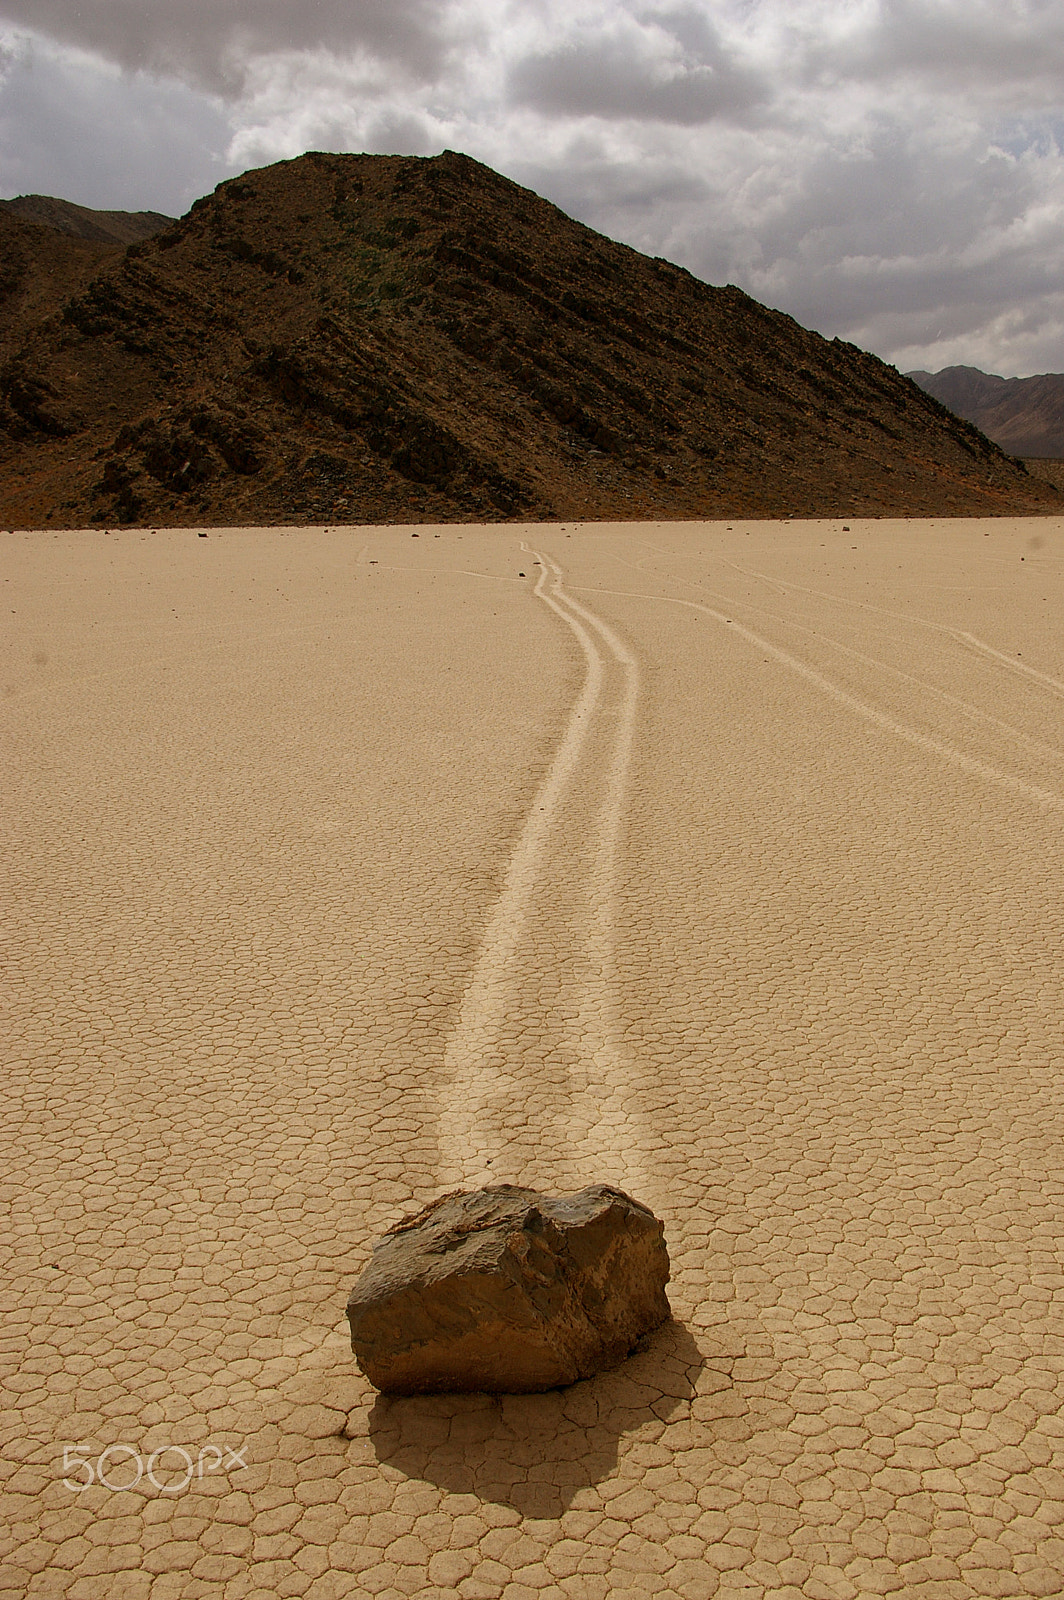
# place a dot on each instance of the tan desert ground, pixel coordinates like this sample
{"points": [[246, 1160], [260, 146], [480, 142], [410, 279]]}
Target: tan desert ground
{"points": [[718, 861]]}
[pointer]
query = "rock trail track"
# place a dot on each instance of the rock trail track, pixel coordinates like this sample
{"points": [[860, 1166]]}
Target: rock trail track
{"points": [[719, 861], [512, 1063]]}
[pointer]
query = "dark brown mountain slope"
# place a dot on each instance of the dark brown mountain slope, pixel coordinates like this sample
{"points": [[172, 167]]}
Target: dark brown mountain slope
{"points": [[102, 227], [39, 270], [371, 338], [1025, 416]]}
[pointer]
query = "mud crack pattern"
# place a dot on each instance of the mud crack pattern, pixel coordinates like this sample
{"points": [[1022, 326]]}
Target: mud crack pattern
{"points": [[721, 862]]}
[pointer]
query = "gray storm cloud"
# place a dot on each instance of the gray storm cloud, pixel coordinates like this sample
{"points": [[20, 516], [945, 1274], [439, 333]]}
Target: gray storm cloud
{"points": [[992, 45], [210, 42], [666, 67], [890, 170]]}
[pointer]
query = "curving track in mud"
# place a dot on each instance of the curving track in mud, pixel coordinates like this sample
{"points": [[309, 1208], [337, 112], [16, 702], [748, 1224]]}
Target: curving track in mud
{"points": [[502, 1061]]}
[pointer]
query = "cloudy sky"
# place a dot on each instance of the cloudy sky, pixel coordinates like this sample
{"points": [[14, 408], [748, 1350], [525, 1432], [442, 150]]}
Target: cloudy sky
{"points": [[887, 170]]}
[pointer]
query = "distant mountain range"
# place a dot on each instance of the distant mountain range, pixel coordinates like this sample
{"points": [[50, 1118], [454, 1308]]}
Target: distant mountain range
{"points": [[367, 339], [1025, 416], [100, 227]]}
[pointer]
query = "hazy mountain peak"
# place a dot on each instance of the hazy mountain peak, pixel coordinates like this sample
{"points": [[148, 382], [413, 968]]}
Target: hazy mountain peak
{"points": [[1025, 416], [102, 227]]}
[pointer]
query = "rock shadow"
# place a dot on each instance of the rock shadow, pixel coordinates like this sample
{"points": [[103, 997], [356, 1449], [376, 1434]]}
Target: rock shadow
{"points": [[534, 1452]]}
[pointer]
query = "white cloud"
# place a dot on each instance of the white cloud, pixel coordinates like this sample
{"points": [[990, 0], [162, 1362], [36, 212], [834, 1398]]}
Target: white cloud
{"points": [[888, 170]]}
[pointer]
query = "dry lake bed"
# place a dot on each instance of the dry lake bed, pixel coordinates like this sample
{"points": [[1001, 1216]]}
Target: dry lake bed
{"points": [[718, 861]]}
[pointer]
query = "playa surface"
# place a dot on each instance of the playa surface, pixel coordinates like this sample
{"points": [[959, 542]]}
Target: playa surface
{"points": [[717, 861]]}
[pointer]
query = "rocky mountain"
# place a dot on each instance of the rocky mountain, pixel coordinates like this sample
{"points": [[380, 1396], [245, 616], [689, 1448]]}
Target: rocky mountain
{"points": [[39, 270], [1025, 416], [101, 227], [350, 338]]}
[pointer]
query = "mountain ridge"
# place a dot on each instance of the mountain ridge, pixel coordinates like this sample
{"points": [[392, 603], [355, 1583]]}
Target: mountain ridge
{"points": [[81, 222], [348, 338], [1025, 416]]}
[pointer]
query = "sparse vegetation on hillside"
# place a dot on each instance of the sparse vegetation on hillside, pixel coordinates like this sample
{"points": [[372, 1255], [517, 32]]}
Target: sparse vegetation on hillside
{"points": [[373, 339]]}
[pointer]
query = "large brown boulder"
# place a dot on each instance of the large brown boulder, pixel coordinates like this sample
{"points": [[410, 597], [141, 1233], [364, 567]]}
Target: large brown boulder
{"points": [[509, 1291]]}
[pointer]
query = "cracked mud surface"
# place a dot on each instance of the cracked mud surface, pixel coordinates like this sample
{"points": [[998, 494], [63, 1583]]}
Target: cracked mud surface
{"points": [[717, 862]]}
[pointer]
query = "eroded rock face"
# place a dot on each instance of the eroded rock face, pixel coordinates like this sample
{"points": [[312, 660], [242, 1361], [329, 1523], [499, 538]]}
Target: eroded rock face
{"points": [[509, 1291]]}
